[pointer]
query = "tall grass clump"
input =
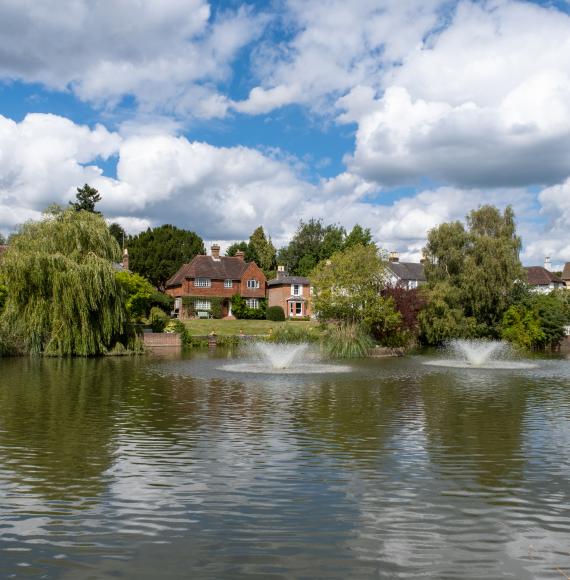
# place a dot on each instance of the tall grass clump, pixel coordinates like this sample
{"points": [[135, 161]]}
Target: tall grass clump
{"points": [[289, 333], [346, 340]]}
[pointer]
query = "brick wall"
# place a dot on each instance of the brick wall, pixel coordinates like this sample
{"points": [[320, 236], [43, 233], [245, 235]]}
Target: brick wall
{"points": [[161, 339]]}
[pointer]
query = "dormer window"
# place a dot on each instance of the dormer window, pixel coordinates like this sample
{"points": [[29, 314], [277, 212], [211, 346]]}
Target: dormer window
{"points": [[202, 283], [253, 283]]}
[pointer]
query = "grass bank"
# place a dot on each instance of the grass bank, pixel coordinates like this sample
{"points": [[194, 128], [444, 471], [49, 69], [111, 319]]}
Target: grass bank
{"points": [[233, 327]]}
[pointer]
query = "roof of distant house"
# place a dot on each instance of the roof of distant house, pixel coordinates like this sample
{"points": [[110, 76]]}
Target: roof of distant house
{"points": [[224, 268], [408, 270], [286, 280], [566, 272], [539, 276]]}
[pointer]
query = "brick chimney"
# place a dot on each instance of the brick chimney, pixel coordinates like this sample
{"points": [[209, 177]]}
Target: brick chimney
{"points": [[547, 263], [240, 255], [216, 252], [125, 259], [394, 257], [281, 272]]}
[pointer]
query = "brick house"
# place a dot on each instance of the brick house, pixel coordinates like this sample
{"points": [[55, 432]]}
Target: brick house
{"points": [[408, 275], [292, 293], [215, 276]]}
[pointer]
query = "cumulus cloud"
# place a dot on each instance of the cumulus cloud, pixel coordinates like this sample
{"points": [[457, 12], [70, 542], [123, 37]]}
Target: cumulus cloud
{"points": [[168, 55]]}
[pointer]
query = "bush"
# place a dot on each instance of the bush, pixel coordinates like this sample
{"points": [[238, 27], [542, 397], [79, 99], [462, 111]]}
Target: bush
{"points": [[175, 326], [287, 333], [347, 340], [241, 311], [275, 313], [158, 319]]}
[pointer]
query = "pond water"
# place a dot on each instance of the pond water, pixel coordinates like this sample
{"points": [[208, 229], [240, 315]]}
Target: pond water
{"points": [[175, 467]]}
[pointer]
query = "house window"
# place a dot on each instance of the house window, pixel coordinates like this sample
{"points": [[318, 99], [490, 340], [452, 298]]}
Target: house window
{"points": [[252, 303], [228, 283], [295, 309], [177, 303], [202, 283], [295, 290], [202, 305], [253, 283]]}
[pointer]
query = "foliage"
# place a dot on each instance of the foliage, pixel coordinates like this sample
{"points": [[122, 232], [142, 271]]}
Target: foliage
{"points": [[264, 250], [119, 233], [409, 303], [472, 274], [249, 255], [521, 326], [139, 294], [216, 305], [287, 333], [275, 313], [64, 297], [158, 253], [442, 318], [348, 288], [241, 311], [158, 319], [358, 236], [86, 197], [3, 296], [175, 326], [347, 340], [2, 240], [314, 242]]}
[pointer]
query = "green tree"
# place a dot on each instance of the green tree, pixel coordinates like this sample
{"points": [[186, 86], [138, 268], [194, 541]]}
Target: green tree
{"points": [[2, 240], [141, 295], [64, 298], [358, 236], [239, 247], [87, 197], [159, 252], [312, 243], [472, 274], [264, 249], [347, 288], [118, 232]]}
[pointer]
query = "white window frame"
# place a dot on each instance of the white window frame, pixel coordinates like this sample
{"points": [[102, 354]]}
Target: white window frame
{"points": [[299, 290], [293, 308], [252, 283], [202, 283], [252, 303], [202, 304], [177, 303], [228, 283]]}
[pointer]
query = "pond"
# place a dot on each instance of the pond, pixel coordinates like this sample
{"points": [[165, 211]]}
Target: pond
{"points": [[175, 466]]}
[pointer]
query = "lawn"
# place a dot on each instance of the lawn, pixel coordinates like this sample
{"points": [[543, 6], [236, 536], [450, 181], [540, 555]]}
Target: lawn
{"points": [[230, 327]]}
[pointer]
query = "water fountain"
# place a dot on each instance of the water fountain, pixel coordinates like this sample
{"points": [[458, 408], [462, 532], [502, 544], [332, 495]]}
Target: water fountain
{"points": [[481, 354], [273, 358]]}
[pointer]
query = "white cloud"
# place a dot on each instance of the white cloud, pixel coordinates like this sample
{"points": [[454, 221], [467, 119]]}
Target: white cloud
{"points": [[167, 55]]}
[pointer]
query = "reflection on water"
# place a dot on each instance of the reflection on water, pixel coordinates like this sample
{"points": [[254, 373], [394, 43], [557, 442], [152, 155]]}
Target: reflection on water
{"points": [[169, 467]]}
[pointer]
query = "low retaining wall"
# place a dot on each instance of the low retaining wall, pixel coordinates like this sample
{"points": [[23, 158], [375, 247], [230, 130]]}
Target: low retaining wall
{"points": [[384, 352], [154, 339]]}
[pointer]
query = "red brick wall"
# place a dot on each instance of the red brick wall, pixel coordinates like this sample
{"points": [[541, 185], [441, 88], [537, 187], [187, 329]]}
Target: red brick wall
{"points": [[278, 295], [253, 272]]}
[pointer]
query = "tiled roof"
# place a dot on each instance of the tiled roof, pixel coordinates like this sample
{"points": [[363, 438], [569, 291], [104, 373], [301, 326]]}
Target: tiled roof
{"points": [[408, 270], [566, 272], [539, 276], [286, 280], [225, 268]]}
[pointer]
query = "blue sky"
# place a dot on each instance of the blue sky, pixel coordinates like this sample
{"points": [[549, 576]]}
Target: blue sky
{"points": [[222, 116]]}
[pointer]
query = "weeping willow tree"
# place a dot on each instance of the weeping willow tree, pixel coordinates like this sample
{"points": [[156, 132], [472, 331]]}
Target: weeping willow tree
{"points": [[63, 297]]}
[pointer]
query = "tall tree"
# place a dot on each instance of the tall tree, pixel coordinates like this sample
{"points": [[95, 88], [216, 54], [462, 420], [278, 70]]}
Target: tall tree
{"points": [[87, 197], [249, 252], [264, 250], [312, 243], [157, 253], [348, 288], [118, 232], [358, 236], [64, 297], [472, 273]]}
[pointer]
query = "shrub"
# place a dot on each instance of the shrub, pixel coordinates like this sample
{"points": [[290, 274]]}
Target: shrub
{"points": [[241, 311], [175, 326], [275, 313], [347, 340], [287, 333], [158, 319]]}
